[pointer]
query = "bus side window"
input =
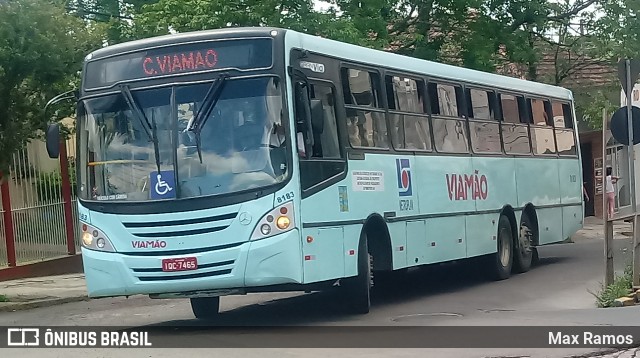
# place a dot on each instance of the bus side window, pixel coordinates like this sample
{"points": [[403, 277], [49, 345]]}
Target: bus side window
{"points": [[365, 114], [563, 123], [484, 128], [326, 160], [325, 129], [409, 123], [541, 129], [515, 132], [449, 125]]}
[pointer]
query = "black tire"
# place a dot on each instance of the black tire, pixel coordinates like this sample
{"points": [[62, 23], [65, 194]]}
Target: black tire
{"points": [[206, 308], [536, 257], [524, 252], [358, 288], [503, 259]]}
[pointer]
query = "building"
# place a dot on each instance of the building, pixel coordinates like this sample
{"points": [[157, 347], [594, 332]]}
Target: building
{"points": [[617, 159]]}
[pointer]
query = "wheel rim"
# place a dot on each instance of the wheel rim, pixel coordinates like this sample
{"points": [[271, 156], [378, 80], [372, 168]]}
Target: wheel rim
{"points": [[505, 248], [525, 240]]}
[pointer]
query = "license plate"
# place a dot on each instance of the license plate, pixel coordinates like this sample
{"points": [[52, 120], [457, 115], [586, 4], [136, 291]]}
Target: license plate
{"points": [[181, 264]]}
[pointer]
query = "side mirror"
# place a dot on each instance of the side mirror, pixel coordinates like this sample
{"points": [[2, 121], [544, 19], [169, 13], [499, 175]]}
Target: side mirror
{"points": [[53, 140], [53, 131]]}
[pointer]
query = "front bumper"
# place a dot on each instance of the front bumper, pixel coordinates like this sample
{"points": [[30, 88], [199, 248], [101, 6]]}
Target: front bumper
{"points": [[271, 261]]}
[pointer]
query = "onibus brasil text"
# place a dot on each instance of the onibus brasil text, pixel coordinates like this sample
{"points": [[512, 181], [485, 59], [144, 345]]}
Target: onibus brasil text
{"points": [[50, 338]]}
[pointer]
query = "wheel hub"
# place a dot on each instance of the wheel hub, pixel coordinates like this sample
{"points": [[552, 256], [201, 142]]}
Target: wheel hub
{"points": [[525, 239]]}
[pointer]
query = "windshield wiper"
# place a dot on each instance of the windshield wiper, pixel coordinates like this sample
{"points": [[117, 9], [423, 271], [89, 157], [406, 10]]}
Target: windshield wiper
{"points": [[149, 128], [200, 118]]}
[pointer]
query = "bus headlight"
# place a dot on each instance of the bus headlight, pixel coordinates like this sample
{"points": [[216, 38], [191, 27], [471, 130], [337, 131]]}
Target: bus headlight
{"points": [[94, 239], [275, 222]]}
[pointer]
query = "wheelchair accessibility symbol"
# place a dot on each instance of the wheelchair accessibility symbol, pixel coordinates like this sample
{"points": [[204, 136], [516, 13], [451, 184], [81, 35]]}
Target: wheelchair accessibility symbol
{"points": [[162, 184]]}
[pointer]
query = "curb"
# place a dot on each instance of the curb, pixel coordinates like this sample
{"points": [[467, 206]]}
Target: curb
{"points": [[21, 306]]}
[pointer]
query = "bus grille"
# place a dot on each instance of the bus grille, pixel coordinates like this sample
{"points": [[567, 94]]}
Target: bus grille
{"points": [[178, 228]]}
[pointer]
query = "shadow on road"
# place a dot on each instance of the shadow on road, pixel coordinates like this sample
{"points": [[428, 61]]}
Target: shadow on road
{"points": [[390, 289]]}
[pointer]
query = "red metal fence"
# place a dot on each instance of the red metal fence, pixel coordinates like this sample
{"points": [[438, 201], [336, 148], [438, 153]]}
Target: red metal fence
{"points": [[39, 215]]}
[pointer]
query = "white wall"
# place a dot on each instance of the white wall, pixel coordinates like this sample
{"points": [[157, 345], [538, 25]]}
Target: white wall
{"points": [[622, 167]]}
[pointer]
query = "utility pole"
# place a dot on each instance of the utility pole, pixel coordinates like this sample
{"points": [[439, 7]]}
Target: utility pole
{"points": [[624, 122]]}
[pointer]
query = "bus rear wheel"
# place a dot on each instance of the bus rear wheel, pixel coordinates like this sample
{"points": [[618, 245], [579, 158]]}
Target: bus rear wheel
{"points": [[524, 251], [358, 288], [503, 258], [205, 308]]}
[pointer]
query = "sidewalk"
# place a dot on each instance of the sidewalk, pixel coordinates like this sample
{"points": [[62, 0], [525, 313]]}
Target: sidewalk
{"points": [[42, 292], [593, 229], [52, 290]]}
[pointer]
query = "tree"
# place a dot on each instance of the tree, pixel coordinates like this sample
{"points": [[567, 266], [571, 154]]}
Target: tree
{"points": [[36, 63], [513, 37], [115, 15], [190, 15]]}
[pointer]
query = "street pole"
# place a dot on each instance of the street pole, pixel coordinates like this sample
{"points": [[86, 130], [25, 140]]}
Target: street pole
{"points": [[608, 225], [632, 181]]}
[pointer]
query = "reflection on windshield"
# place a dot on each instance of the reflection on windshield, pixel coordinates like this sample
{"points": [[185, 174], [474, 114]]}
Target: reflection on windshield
{"points": [[242, 143]]}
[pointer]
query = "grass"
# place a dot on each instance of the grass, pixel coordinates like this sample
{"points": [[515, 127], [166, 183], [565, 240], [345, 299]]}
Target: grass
{"points": [[621, 286], [3, 298]]}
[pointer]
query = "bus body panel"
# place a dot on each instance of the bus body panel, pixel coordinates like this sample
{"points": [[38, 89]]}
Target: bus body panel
{"points": [[572, 217], [398, 244], [418, 243], [550, 221], [537, 182], [500, 176], [482, 233], [323, 257], [442, 184]]}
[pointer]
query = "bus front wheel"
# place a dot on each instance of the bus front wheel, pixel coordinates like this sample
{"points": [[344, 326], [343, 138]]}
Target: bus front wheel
{"points": [[503, 258], [358, 288], [205, 307]]}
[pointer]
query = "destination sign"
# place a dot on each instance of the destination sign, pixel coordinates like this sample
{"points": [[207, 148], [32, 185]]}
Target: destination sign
{"points": [[242, 54]]}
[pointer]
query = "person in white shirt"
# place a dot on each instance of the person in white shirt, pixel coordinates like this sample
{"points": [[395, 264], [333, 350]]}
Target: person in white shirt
{"points": [[610, 191]]}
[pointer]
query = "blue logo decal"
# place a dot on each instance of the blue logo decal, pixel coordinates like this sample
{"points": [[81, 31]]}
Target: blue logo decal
{"points": [[163, 185], [403, 169]]}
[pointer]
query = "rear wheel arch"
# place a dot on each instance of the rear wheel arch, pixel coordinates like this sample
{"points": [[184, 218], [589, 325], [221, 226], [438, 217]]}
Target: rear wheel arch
{"points": [[530, 211], [508, 211]]}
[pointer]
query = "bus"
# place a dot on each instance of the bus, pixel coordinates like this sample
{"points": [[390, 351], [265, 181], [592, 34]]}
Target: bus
{"points": [[243, 160]]}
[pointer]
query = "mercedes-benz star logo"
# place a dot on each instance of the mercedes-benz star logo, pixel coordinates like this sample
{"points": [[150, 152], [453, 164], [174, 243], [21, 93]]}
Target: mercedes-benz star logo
{"points": [[244, 218]]}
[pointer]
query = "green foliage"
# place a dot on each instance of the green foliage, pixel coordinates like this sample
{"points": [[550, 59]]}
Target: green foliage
{"points": [[590, 102], [36, 63], [621, 286], [49, 185], [618, 29], [4, 298]]}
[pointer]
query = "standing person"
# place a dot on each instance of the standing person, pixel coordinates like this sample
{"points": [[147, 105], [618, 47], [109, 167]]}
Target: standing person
{"points": [[611, 196], [585, 194]]}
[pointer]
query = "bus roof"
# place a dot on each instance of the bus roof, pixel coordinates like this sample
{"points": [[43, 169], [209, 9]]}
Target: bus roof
{"points": [[176, 39], [348, 52], [427, 68]]}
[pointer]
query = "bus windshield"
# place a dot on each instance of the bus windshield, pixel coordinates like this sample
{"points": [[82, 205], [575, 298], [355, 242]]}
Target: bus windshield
{"points": [[241, 142]]}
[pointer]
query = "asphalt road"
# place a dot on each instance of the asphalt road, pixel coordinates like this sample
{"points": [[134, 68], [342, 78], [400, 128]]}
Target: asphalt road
{"points": [[555, 292]]}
